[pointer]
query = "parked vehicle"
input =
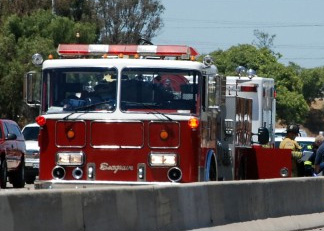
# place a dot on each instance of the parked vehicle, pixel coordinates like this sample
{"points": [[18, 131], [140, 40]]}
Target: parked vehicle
{"points": [[304, 141], [281, 132], [146, 114], [307, 145], [30, 132], [12, 154]]}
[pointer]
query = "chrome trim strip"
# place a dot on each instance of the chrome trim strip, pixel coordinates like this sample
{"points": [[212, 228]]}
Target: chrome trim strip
{"points": [[80, 184]]}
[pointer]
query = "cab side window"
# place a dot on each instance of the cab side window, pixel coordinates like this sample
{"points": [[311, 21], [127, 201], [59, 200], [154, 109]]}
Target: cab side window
{"points": [[14, 129], [5, 129]]}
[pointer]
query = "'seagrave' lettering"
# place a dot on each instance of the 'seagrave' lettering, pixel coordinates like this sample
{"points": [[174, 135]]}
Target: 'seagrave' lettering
{"points": [[115, 168]]}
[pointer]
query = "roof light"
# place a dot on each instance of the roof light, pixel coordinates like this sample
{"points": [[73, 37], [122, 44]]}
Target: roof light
{"points": [[249, 88], [240, 70], [274, 93], [208, 61], [140, 50], [37, 59], [251, 73], [193, 123], [40, 120]]}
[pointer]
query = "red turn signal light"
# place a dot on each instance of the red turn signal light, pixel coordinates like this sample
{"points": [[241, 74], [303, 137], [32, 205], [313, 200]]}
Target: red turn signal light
{"points": [[193, 123], [40, 120]]}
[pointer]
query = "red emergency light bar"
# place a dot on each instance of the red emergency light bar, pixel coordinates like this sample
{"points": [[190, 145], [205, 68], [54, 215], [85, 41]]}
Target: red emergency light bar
{"points": [[142, 50]]}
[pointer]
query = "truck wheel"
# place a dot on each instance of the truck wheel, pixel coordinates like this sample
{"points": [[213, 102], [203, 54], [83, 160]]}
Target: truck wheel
{"points": [[213, 170], [3, 174], [30, 179], [242, 170], [211, 173], [18, 178]]}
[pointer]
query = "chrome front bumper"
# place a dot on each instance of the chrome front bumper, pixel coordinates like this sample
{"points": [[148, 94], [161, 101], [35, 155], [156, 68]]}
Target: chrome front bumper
{"points": [[82, 184]]}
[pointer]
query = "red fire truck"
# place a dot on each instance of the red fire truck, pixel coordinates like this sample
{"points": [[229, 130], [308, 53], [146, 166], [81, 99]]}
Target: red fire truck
{"points": [[137, 114], [255, 107]]}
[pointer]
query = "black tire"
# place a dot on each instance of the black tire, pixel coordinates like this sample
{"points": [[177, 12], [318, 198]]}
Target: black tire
{"points": [[18, 177], [213, 170], [242, 170], [3, 174], [30, 179]]}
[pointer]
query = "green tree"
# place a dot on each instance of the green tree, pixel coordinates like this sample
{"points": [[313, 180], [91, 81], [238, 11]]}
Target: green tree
{"points": [[245, 55], [22, 7], [20, 38], [313, 83], [264, 40], [76, 10], [289, 85], [127, 21], [291, 106]]}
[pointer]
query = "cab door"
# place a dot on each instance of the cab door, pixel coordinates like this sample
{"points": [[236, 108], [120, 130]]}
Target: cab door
{"points": [[13, 155]]}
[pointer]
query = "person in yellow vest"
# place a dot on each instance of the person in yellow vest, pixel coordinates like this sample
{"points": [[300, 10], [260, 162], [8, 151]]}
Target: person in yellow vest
{"points": [[289, 143]]}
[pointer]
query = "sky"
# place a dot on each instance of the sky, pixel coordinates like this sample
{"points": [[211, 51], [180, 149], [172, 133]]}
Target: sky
{"points": [[209, 25]]}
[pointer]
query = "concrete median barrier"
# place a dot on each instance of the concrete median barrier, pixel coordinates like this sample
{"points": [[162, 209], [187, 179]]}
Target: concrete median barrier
{"points": [[205, 206]]}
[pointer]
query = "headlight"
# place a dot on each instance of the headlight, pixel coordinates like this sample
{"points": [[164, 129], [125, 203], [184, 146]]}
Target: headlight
{"points": [[69, 158], [163, 159]]}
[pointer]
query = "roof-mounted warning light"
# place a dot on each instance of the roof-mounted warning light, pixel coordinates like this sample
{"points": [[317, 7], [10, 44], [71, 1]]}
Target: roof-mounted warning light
{"points": [[249, 88], [178, 51]]}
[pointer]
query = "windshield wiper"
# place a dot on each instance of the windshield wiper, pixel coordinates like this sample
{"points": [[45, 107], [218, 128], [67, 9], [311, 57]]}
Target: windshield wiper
{"points": [[110, 102], [151, 107], [83, 108]]}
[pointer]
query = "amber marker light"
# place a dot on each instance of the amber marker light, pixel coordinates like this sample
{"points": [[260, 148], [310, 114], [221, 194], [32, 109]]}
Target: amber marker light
{"points": [[70, 134], [192, 58], [50, 56], [164, 135], [40, 120], [193, 123], [136, 56], [121, 55]]}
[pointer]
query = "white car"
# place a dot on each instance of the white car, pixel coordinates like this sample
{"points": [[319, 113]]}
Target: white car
{"points": [[305, 142], [281, 132], [307, 146], [30, 133]]}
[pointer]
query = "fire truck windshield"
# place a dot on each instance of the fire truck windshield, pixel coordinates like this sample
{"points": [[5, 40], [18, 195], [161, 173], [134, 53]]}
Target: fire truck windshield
{"points": [[159, 90], [79, 89], [149, 90]]}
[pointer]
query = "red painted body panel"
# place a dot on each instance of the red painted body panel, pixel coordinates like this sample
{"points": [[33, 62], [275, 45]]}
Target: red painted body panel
{"points": [[63, 127], [121, 134], [130, 145], [261, 163]]}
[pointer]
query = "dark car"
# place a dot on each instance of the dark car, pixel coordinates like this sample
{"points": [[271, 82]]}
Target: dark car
{"points": [[12, 154]]}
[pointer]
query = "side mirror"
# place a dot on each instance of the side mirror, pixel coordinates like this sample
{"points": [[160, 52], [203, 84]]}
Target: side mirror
{"points": [[263, 135], [11, 136], [32, 89]]}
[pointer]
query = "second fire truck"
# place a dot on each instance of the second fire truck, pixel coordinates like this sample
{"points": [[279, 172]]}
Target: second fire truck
{"points": [[142, 114]]}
